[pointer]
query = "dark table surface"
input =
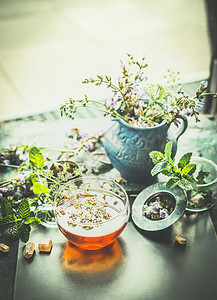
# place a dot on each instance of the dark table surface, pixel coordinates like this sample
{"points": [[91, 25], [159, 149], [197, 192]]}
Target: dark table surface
{"points": [[139, 265]]}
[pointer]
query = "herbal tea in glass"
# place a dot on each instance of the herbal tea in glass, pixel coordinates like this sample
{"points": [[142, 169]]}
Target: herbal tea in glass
{"points": [[91, 213]]}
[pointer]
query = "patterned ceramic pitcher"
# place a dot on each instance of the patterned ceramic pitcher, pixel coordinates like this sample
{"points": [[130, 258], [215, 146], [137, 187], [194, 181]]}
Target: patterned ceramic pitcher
{"points": [[128, 147]]}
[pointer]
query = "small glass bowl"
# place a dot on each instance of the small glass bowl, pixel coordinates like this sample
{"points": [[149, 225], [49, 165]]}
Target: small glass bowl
{"points": [[203, 196], [72, 170], [91, 212]]}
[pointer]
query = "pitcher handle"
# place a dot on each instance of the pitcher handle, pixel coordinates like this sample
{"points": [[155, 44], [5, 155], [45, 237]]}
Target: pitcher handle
{"points": [[179, 132], [183, 127]]}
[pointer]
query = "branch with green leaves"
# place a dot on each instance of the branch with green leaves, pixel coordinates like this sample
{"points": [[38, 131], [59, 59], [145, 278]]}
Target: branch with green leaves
{"points": [[181, 174], [69, 108], [126, 93], [39, 184], [138, 101], [126, 85]]}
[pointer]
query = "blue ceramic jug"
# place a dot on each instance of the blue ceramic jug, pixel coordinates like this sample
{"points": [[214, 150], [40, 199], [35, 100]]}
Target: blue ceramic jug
{"points": [[128, 147]]}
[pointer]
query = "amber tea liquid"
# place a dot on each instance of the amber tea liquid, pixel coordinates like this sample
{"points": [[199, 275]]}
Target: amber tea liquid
{"points": [[92, 222]]}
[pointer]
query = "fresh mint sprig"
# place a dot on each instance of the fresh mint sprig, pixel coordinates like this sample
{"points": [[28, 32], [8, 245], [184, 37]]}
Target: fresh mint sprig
{"points": [[19, 221], [36, 161], [181, 173]]}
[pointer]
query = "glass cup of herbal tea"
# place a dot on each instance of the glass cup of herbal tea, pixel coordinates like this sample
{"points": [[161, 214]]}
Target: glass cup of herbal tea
{"points": [[91, 212]]}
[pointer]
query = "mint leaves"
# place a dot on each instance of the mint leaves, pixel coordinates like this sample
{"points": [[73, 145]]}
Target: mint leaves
{"points": [[39, 188], [36, 161], [36, 158], [185, 159], [181, 174], [18, 221]]}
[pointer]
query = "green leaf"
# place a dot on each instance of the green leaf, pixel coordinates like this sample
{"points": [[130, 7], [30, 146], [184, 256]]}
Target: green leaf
{"points": [[33, 221], [168, 150], [160, 167], [36, 158], [23, 209], [167, 169], [184, 160], [156, 156], [39, 188], [11, 231], [100, 77], [31, 214], [176, 170], [189, 169], [6, 208], [33, 177], [187, 184], [156, 169], [24, 231], [7, 220], [190, 178], [172, 182], [167, 173]]}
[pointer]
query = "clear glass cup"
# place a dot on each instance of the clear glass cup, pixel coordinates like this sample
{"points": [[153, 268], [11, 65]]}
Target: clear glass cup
{"points": [[91, 212], [203, 196]]}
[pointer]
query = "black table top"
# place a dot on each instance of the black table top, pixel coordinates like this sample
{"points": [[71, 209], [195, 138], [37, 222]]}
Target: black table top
{"points": [[139, 265]]}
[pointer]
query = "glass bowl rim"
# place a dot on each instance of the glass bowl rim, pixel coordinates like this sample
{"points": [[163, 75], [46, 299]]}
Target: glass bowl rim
{"points": [[126, 205]]}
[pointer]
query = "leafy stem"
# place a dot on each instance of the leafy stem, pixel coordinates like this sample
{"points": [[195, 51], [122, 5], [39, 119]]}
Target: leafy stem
{"points": [[107, 81], [70, 107], [5, 183], [180, 174], [8, 165]]}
